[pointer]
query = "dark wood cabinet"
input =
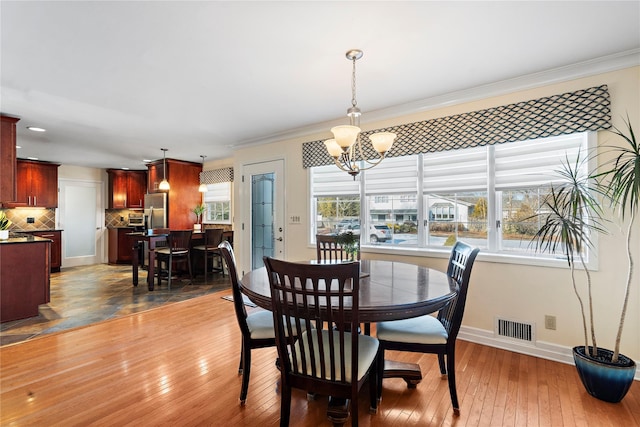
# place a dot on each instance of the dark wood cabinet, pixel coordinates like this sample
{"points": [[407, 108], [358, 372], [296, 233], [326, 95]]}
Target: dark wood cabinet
{"points": [[24, 278], [120, 245], [8, 158], [126, 188], [37, 184], [183, 196], [56, 246]]}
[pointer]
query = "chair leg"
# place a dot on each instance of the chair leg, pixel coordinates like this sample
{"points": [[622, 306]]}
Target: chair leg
{"points": [[354, 408], [373, 386], [159, 269], [285, 403], [452, 381], [443, 368], [246, 371], [206, 264], [240, 366], [190, 270], [170, 261], [380, 368]]}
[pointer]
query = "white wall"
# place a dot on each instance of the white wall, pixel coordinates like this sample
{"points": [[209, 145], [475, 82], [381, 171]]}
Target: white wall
{"points": [[514, 291]]}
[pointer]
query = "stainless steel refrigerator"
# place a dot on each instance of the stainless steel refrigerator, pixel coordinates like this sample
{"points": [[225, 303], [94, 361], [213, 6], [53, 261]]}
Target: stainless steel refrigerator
{"points": [[155, 210]]}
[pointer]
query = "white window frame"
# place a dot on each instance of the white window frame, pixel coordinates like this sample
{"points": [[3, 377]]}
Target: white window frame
{"points": [[492, 253], [219, 193]]}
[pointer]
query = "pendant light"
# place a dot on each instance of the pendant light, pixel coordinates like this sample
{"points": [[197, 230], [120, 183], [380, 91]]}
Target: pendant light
{"points": [[203, 187], [346, 145], [164, 184]]}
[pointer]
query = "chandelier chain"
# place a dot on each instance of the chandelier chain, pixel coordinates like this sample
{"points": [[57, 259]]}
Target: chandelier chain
{"points": [[353, 84]]}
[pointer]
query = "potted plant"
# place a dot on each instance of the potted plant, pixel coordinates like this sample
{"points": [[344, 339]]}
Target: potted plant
{"points": [[570, 214], [5, 223], [350, 243], [198, 210]]}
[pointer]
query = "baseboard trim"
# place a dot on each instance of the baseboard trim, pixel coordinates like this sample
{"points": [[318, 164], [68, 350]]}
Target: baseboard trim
{"points": [[542, 349]]}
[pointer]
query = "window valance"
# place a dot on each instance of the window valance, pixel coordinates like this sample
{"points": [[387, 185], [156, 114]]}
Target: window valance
{"points": [[571, 112], [216, 176]]}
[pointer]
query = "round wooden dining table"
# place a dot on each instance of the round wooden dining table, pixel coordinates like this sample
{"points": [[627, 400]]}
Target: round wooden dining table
{"points": [[389, 290]]}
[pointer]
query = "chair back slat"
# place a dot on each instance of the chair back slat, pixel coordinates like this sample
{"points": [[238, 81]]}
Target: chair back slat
{"points": [[229, 258], [213, 237], [459, 271], [328, 248], [324, 296], [179, 240]]}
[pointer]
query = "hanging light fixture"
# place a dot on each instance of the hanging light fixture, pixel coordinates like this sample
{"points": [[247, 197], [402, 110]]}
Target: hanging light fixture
{"points": [[164, 184], [203, 187], [342, 147]]}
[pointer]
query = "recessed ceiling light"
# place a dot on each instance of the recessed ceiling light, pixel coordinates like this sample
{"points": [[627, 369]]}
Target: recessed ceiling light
{"points": [[125, 169], [32, 158], [147, 160], [36, 129], [17, 146]]}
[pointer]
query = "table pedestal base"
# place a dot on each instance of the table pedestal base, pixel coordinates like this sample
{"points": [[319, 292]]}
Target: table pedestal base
{"points": [[338, 409], [409, 372]]}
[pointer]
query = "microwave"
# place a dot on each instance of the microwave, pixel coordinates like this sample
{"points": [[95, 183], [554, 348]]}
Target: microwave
{"points": [[136, 220]]}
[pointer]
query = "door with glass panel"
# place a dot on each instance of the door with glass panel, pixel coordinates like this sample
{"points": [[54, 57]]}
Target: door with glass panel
{"points": [[263, 193]]}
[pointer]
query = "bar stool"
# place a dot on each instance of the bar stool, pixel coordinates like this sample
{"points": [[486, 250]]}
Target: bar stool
{"points": [[212, 238]]}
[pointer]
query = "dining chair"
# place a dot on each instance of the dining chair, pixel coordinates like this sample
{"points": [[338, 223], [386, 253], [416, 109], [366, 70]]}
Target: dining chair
{"points": [[212, 238], [178, 250], [429, 334], [328, 248], [321, 359], [256, 328]]}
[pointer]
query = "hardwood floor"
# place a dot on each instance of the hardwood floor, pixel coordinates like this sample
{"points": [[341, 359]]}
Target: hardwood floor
{"points": [[177, 365]]}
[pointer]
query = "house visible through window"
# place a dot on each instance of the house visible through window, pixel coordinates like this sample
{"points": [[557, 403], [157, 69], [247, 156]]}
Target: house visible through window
{"points": [[483, 195]]}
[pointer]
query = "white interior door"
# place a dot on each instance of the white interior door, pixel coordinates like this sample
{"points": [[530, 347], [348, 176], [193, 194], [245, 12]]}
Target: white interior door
{"points": [[81, 217], [263, 222]]}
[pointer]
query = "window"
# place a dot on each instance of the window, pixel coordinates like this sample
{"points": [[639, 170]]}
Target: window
{"points": [[484, 195], [218, 202]]}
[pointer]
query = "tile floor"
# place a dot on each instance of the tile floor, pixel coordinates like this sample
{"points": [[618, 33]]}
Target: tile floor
{"points": [[90, 294]]}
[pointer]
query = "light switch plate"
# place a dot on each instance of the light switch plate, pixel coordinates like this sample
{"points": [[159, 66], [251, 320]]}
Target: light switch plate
{"points": [[294, 219]]}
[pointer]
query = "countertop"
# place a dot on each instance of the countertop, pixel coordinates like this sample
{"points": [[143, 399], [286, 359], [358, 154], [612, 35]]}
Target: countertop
{"points": [[23, 238]]}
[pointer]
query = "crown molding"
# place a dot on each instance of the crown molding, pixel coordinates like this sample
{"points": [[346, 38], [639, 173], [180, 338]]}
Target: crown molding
{"points": [[575, 71]]}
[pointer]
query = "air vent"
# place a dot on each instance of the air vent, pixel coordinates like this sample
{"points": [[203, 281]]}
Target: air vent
{"points": [[515, 330]]}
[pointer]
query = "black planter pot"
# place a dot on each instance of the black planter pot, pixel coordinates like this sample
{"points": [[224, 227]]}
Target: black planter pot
{"points": [[605, 380]]}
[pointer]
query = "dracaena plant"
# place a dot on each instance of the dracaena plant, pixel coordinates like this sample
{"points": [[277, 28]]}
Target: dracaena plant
{"points": [[619, 181], [569, 215]]}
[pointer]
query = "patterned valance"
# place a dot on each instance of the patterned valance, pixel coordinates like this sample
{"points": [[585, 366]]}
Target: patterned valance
{"points": [[572, 112], [216, 176]]}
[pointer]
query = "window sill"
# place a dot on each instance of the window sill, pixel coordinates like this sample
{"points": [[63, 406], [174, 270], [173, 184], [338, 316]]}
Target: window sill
{"points": [[483, 256]]}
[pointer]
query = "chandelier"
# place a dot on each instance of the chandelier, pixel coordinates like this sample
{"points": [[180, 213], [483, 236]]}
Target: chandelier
{"points": [[346, 145]]}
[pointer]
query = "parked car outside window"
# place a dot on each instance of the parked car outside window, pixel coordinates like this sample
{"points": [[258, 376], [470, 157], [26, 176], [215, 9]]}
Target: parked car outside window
{"points": [[377, 233]]}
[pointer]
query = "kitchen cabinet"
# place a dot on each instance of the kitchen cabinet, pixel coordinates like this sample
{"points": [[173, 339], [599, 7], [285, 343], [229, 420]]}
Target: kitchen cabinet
{"points": [[126, 189], [56, 246], [37, 184], [8, 158], [24, 277], [183, 196], [120, 245]]}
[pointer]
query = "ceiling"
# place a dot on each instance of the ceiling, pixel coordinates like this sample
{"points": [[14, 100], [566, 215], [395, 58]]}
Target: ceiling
{"points": [[114, 82]]}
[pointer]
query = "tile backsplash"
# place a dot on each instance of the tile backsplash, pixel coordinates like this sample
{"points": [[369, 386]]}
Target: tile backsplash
{"points": [[117, 217], [43, 219]]}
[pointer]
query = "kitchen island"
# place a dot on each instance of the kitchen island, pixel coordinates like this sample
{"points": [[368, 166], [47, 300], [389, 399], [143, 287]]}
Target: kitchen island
{"points": [[25, 262]]}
